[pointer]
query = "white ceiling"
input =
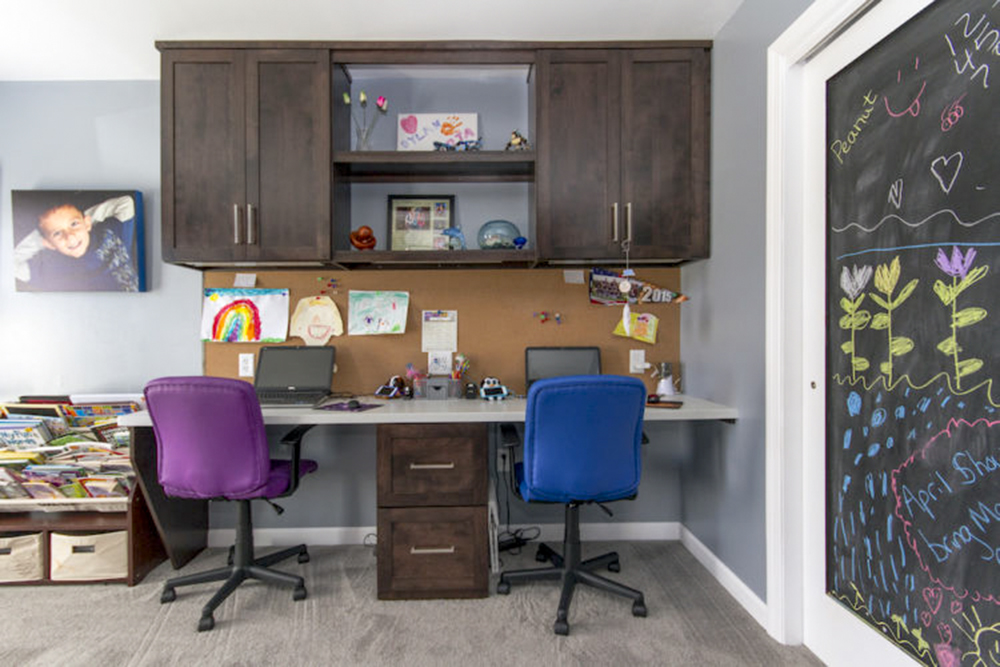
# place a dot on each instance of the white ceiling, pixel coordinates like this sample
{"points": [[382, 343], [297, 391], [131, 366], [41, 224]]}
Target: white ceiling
{"points": [[113, 39]]}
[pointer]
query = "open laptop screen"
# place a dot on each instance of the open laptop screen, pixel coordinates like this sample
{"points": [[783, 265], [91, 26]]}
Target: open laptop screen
{"points": [[300, 368], [548, 362]]}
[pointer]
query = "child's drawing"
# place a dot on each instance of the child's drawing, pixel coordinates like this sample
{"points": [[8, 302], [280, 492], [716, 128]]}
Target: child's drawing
{"points": [[245, 315], [372, 313]]}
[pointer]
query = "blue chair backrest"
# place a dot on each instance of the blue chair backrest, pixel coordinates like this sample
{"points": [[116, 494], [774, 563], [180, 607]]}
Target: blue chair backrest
{"points": [[210, 437], [582, 435]]}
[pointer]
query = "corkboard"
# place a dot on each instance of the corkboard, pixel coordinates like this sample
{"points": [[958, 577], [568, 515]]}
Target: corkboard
{"points": [[496, 321]]}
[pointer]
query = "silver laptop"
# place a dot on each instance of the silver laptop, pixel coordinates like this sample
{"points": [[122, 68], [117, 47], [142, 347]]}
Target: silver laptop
{"points": [[294, 376]]}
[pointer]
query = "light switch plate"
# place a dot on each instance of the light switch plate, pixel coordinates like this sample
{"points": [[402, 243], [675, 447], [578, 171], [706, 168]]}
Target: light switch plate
{"points": [[246, 365], [637, 361]]}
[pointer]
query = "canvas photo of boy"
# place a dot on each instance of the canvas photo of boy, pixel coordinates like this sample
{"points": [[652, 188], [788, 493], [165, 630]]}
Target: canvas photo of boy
{"points": [[78, 241]]}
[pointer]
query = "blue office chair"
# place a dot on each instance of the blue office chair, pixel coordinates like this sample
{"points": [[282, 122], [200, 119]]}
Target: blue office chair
{"points": [[581, 445]]}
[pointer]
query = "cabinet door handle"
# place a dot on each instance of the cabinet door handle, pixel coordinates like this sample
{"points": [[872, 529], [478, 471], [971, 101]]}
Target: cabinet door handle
{"points": [[433, 466], [427, 551], [628, 222], [236, 224], [614, 222], [251, 225]]}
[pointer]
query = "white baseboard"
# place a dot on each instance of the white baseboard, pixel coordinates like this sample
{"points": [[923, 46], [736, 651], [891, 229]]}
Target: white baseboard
{"points": [[286, 537], [733, 584]]}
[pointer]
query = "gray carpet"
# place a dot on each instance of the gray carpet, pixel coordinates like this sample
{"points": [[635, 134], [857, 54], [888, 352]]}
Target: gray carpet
{"points": [[692, 620]]}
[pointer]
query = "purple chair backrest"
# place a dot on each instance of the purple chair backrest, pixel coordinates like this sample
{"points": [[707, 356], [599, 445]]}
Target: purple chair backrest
{"points": [[210, 436]]}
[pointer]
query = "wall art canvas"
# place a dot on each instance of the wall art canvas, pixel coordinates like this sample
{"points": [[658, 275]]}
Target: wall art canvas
{"points": [[78, 241], [234, 315]]}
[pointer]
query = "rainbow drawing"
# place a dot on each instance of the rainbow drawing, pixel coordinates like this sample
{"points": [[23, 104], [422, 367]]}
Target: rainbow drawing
{"points": [[245, 315], [237, 322]]}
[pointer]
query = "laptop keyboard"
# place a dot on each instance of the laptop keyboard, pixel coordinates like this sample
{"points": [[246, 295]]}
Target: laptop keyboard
{"points": [[275, 397]]}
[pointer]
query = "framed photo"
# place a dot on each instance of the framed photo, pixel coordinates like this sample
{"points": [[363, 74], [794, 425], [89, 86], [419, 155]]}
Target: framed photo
{"points": [[78, 240], [418, 222]]}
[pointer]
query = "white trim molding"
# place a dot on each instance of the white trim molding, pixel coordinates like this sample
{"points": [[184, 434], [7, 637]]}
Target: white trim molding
{"points": [[742, 593]]}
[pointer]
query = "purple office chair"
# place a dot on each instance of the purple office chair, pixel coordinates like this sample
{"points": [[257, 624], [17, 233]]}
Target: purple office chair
{"points": [[211, 444]]}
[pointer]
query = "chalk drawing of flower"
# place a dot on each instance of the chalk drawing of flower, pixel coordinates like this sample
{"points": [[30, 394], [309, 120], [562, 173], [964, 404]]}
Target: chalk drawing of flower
{"points": [[963, 276], [853, 282]]}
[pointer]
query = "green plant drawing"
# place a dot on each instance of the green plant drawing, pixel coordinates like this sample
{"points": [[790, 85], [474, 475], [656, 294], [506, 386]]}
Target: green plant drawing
{"points": [[853, 281], [962, 278], [886, 277]]}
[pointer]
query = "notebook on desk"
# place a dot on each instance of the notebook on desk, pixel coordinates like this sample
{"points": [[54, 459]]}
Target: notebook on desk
{"points": [[294, 376]]}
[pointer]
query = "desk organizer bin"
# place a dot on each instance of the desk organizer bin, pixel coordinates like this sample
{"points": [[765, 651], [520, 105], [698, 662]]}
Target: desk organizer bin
{"points": [[22, 557], [84, 557], [437, 388]]}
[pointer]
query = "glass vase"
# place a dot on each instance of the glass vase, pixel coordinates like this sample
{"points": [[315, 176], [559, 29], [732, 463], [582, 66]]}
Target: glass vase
{"points": [[363, 137]]}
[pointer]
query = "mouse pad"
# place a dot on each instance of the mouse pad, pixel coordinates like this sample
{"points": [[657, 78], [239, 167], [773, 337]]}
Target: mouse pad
{"points": [[343, 406]]}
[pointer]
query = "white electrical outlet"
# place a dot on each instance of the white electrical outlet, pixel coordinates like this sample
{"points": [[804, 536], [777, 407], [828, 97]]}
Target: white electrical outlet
{"points": [[246, 365], [637, 361]]}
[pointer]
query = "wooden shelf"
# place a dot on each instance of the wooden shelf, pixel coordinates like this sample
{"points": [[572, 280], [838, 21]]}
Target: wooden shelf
{"points": [[397, 166], [443, 258]]}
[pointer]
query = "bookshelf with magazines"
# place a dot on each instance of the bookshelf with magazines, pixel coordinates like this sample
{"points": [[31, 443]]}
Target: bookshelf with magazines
{"points": [[70, 510]]}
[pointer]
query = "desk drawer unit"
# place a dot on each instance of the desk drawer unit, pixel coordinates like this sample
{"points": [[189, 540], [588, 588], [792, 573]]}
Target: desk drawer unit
{"points": [[432, 516]]}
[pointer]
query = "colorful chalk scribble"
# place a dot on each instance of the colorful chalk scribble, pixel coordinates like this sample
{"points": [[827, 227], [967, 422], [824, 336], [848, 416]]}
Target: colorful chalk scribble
{"points": [[245, 315], [913, 402]]}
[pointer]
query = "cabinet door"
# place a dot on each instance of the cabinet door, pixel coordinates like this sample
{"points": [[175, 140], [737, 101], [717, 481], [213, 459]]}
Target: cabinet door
{"points": [[288, 159], [203, 155], [579, 131], [664, 155]]}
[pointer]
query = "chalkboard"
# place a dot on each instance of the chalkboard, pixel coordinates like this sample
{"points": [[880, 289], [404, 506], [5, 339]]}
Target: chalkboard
{"points": [[913, 335]]}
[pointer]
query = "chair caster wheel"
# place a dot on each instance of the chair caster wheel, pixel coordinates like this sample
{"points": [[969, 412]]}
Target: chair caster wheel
{"points": [[229, 558], [206, 623], [614, 566], [639, 609], [299, 593], [561, 628], [541, 556], [503, 587], [168, 595], [304, 557]]}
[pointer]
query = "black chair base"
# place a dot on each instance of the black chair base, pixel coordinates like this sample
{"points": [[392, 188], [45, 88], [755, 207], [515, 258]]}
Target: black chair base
{"points": [[572, 570], [242, 566]]}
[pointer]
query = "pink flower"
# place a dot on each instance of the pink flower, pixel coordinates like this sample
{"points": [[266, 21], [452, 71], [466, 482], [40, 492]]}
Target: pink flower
{"points": [[382, 103]]}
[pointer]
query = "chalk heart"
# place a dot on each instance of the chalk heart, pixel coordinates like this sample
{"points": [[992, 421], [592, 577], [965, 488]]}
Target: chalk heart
{"points": [[945, 170], [944, 630], [933, 597], [409, 124], [956, 607], [926, 618], [946, 499]]}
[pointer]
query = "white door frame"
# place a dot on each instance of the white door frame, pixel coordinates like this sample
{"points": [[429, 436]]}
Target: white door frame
{"points": [[795, 327]]}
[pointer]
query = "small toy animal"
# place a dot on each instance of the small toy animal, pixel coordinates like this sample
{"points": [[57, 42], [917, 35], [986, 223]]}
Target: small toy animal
{"points": [[454, 235], [517, 142], [491, 390]]}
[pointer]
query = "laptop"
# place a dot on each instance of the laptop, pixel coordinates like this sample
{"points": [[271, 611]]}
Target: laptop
{"points": [[550, 362], [294, 376]]}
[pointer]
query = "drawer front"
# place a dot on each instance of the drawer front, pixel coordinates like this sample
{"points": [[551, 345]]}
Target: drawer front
{"points": [[432, 552], [76, 557], [432, 464], [22, 558]]}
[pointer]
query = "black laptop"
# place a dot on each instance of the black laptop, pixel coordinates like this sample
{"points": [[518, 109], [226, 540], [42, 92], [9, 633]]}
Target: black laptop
{"points": [[294, 376]]}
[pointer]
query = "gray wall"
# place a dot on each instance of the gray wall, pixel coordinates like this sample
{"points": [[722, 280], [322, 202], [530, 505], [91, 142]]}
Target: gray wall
{"points": [[722, 331], [90, 135], [105, 135]]}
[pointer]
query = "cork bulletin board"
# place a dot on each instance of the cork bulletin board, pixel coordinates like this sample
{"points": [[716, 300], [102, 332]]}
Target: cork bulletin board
{"points": [[498, 316]]}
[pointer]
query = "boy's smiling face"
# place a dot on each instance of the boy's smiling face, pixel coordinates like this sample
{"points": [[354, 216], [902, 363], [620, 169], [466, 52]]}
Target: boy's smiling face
{"points": [[66, 230]]}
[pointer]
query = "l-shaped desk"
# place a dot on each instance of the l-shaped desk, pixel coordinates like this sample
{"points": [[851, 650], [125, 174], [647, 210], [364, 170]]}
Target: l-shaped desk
{"points": [[183, 524]]}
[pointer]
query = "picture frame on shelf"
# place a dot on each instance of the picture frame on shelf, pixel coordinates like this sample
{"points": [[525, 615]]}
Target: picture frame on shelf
{"points": [[418, 222]]}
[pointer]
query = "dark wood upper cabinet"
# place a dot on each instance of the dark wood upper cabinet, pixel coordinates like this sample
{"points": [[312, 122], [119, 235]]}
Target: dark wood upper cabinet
{"points": [[246, 155], [623, 153]]}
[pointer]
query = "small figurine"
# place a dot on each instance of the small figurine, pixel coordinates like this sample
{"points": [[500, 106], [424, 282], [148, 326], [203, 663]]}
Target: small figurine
{"points": [[362, 238], [469, 145], [517, 142], [394, 388], [455, 238], [490, 389]]}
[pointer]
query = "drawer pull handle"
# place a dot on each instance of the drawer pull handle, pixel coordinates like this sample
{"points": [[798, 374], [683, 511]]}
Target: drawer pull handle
{"points": [[84, 549], [425, 551], [5, 551], [236, 224], [433, 466]]}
